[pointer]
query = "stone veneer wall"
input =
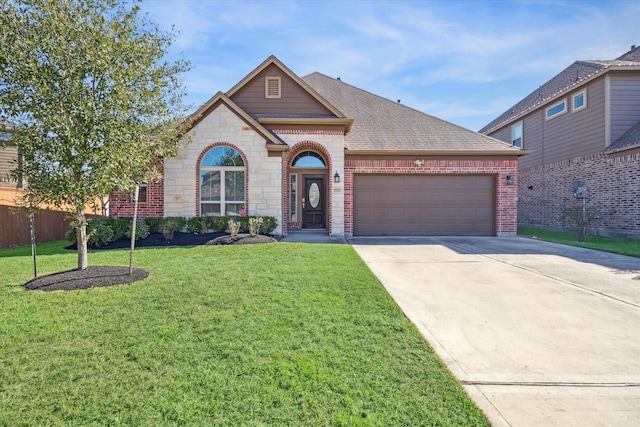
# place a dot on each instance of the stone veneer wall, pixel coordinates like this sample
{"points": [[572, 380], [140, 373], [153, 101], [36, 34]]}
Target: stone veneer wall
{"points": [[506, 195], [263, 173], [613, 187]]}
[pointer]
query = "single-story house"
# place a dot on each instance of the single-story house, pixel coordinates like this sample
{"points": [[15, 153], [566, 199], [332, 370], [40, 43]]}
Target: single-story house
{"points": [[319, 154]]}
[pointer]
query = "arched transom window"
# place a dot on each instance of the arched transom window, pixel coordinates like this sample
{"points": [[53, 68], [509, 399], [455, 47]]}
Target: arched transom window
{"points": [[308, 159], [222, 182]]}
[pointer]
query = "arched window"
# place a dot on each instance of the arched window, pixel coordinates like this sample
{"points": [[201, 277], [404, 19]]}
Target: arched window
{"points": [[222, 182], [308, 159]]}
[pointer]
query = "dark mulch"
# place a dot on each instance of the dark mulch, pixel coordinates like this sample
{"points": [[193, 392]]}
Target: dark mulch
{"points": [[91, 277]]}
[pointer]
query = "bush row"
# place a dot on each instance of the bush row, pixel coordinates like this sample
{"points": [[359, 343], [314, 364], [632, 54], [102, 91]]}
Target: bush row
{"points": [[101, 231], [202, 224]]}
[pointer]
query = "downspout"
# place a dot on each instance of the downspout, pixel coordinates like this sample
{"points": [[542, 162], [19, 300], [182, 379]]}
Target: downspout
{"points": [[607, 111]]}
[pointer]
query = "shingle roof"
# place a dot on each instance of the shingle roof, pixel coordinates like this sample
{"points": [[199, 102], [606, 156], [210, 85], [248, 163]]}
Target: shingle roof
{"points": [[631, 137], [384, 125], [570, 77]]}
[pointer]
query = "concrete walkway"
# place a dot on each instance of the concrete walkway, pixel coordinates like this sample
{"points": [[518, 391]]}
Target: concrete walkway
{"points": [[539, 334]]}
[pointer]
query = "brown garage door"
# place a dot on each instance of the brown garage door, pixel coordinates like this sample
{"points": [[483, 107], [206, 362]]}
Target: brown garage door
{"points": [[423, 205]]}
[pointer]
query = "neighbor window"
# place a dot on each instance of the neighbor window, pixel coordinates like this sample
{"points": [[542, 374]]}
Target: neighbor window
{"points": [[557, 109], [272, 88], [222, 182], [142, 193], [580, 101], [516, 135]]}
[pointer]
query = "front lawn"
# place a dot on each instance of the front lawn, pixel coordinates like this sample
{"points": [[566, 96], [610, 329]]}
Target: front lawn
{"points": [[629, 247], [275, 334]]}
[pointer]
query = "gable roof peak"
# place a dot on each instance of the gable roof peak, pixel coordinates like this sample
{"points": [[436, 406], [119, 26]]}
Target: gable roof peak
{"points": [[272, 60]]}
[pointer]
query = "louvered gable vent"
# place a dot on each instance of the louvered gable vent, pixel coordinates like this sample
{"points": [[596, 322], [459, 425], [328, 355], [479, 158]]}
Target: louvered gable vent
{"points": [[272, 87]]}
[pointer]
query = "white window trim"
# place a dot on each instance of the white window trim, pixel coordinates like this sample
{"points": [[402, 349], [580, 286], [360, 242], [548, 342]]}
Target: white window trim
{"points": [[267, 95], [573, 101], [520, 123], [546, 111], [223, 202]]}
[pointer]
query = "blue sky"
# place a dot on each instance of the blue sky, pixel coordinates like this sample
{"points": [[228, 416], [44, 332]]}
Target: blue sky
{"points": [[461, 61]]}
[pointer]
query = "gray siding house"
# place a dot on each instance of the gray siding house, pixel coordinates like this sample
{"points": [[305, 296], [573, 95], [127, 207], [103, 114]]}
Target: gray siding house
{"points": [[583, 129]]}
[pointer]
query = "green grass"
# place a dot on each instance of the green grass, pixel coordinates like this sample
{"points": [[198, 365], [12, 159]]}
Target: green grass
{"points": [[609, 244], [257, 335]]}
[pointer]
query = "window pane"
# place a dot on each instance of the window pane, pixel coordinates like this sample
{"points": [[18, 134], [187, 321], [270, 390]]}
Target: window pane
{"points": [[556, 110], [142, 194], [308, 159], [222, 156], [233, 209], [293, 198], [578, 101], [210, 209], [209, 186], [234, 185]]}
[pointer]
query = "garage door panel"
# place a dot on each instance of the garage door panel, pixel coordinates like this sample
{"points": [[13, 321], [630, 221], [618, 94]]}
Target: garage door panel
{"points": [[424, 205]]}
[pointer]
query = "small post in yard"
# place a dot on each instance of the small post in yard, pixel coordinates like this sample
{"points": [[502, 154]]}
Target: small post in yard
{"points": [[133, 227], [32, 225]]}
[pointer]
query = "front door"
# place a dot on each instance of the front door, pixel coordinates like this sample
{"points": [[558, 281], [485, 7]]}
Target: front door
{"points": [[313, 202]]}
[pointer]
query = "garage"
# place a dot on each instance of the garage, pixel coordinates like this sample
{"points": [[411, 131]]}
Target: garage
{"points": [[424, 205]]}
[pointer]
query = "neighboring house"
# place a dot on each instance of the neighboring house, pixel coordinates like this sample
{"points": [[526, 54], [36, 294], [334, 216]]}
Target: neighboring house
{"points": [[8, 156], [583, 127], [319, 154]]}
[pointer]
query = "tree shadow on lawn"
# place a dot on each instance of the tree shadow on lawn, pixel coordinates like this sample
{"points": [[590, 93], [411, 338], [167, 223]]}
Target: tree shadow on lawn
{"points": [[102, 276]]}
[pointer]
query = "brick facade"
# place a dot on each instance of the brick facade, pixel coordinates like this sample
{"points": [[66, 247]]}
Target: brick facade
{"points": [[120, 204], [613, 187], [506, 195]]}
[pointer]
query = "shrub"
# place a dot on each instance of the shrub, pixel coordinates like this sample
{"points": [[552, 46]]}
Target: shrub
{"points": [[142, 231], [119, 226], [254, 226], [197, 225], [269, 224], [99, 233], [234, 227], [244, 223], [171, 224], [577, 221], [218, 223], [154, 223]]}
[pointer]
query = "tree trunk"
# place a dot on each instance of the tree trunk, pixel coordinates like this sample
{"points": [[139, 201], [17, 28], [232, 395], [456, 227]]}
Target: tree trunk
{"points": [[82, 239]]}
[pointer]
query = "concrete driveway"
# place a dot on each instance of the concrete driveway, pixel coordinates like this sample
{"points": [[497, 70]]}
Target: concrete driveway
{"points": [[539, 334]]}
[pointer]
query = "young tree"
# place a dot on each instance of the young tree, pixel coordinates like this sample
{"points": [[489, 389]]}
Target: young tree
{"points": [[94, 100]]}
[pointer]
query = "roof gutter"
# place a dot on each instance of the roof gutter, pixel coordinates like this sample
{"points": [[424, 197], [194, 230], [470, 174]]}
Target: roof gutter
{"points": [[484, 153], [347, 123]]}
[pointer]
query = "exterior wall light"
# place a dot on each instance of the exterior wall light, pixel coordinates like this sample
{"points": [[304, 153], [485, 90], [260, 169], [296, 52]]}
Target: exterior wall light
{"points": [[509, 179], [336, 177]]}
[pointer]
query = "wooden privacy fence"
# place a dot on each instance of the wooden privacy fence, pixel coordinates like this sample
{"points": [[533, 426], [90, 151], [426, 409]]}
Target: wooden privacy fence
{"points": [[15, 229], [50, 225]]}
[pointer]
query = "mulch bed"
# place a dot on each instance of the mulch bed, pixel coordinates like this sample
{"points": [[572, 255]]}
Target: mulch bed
{"points": [[101, 276], [91, 277]]}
